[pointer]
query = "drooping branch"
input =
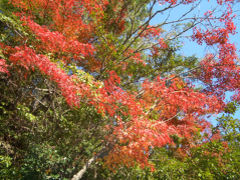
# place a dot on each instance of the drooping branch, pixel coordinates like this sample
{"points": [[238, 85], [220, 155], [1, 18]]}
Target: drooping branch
{"points": [[80, 173], [104, 152]]}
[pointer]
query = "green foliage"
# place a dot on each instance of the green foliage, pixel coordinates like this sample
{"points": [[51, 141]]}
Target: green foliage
{"points": [[40, 135], [231, 108], [5, 163], [230, 128]]}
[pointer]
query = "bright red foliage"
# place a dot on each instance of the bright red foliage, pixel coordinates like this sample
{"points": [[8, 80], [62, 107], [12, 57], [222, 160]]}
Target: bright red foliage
{"points": [[28, 58], [220, 73], [3, 66], [56, 42]]}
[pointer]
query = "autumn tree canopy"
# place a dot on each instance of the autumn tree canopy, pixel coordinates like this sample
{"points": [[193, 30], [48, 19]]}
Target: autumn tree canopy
{"points": [[97, 83]]}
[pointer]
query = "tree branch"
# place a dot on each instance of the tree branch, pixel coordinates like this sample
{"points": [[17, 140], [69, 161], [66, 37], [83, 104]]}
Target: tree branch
{"points": [[80, 174], [104, 152]]}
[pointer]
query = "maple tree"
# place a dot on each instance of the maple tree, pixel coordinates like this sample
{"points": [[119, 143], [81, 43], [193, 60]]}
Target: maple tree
{"points": [[110, 63]]}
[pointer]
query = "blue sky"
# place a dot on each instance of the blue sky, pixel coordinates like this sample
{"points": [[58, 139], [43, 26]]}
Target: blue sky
{"points": [[189, 47]]}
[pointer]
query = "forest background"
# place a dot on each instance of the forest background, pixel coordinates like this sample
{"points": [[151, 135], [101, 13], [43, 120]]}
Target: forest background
{"points": [[99, 89]]}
